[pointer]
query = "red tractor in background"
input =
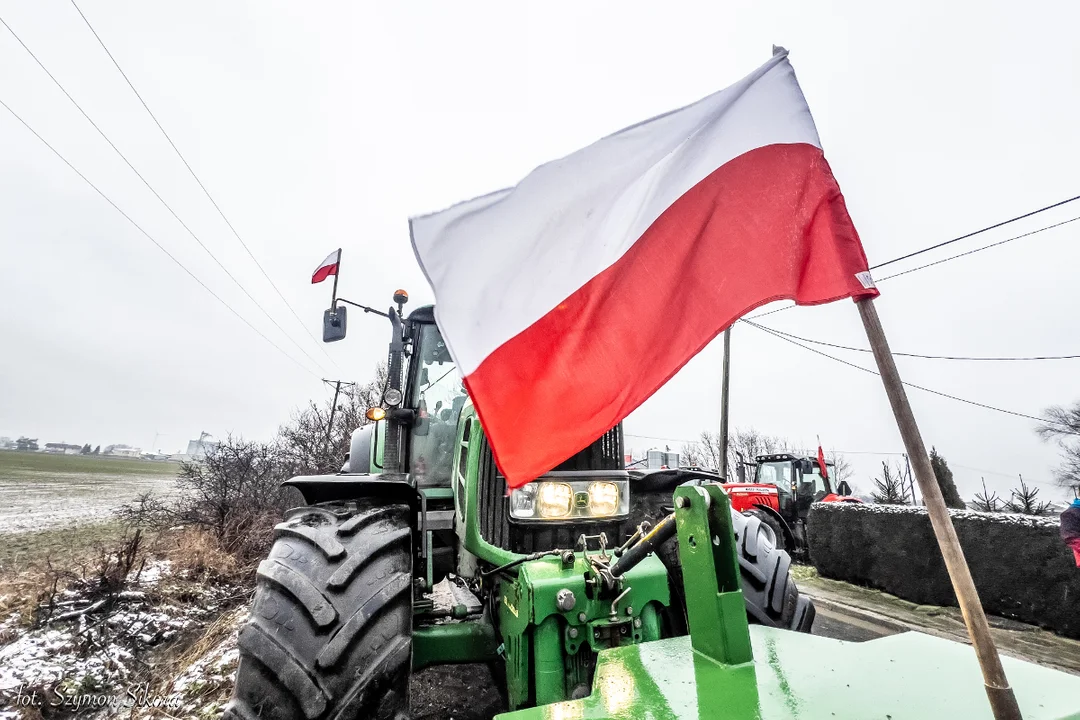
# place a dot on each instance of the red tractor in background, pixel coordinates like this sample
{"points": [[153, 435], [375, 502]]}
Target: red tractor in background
{"points": [[780, 495]]}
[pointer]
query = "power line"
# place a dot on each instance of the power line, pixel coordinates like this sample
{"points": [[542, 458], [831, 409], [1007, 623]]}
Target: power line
{"points": [[156, 194], [155, 242], [654, 437], [203, 187], [925, 357], [685, 441], [977, 232], [980, 249], [908, 384], [953, 257]]}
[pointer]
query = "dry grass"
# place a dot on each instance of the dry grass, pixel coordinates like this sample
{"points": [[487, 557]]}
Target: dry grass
{"points": [[63, 546], [77, 556], [36, 566], [206, 693], [199, 556]]}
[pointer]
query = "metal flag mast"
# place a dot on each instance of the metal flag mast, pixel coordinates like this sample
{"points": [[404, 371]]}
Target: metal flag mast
{"points": [[722, 460], [337, 274]]}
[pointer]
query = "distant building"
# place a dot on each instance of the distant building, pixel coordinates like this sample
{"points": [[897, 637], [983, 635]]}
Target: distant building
{"points": [[63, 448], [659, 459], [197, 450], [122, 451]]}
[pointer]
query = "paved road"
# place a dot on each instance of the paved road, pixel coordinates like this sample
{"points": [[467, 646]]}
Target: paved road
{"points": [[834, 623], [467, 692]]}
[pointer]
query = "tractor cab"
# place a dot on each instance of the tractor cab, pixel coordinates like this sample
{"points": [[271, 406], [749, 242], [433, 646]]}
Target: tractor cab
{"points": [[798, 480], [435, 391]]}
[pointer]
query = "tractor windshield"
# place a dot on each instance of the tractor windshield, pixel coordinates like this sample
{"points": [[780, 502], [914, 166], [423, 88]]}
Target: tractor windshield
{"points": [[775, 473], [779, 474], [438, 394]]}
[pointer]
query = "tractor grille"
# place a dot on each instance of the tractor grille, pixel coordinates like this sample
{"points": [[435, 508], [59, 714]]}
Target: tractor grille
{"points": [[493, 505]]}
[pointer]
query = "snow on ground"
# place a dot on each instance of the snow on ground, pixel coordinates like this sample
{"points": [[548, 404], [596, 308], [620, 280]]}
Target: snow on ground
{"points": [[96, 654], [201, 689], [997, 517]]}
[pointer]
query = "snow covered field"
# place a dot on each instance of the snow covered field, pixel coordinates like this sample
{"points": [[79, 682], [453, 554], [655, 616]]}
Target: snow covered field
{"points": [[39, 491]]}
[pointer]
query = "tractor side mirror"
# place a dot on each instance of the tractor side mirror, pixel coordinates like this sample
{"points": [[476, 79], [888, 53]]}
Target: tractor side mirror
{"points": [[334, 322], [843, 488], [807, 467]]}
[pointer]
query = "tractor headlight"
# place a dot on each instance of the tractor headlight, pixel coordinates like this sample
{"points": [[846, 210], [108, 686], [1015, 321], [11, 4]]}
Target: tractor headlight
{"points": [[604, 498], [570, 500], [556, 500]]}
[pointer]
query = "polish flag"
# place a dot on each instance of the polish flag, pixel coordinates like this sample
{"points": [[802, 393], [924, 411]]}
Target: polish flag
{"points": [[327, 267], [821, 461], [569, 299]]}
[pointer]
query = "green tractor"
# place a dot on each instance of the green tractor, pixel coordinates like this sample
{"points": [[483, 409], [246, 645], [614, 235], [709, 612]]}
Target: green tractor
{"points": [[591, 592], [353, 596]]}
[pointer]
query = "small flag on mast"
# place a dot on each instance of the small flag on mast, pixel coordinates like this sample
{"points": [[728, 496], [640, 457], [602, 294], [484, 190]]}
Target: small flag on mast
{"points": [[328, 267], [821, 460]]}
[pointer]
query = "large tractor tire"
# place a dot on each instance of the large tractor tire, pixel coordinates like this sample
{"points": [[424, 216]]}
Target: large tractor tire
{"points": [[770, 593], [330, 631]]}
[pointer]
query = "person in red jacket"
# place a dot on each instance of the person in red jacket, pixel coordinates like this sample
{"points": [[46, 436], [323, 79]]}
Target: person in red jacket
{"points": [[1070, 528]]}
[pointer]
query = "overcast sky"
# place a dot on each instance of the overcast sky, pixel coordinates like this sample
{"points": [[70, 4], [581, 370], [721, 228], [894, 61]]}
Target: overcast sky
{"points": [[319, 125]]}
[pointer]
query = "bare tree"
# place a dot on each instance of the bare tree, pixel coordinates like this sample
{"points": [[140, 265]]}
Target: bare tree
{"points": [[705, 453], [235, 490], [310, 445], [744, 445], [1062, 425], [841, 467], [988, 501], [1025, 500], [890, 487]]}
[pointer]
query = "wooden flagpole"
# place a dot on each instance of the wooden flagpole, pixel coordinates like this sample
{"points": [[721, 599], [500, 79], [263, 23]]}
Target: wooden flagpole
{"points": [[1002, 700]]}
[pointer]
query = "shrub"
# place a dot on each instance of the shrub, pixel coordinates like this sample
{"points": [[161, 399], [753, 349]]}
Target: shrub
{"points": [[1021, 568]]}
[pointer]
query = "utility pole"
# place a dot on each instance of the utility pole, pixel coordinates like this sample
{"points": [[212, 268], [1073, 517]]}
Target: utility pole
{"points": [[724, 405], [333, 406]]}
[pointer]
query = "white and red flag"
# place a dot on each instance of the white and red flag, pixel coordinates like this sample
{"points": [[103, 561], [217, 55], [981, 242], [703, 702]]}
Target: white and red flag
{"points": [[327, 267], [571, 298]]}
